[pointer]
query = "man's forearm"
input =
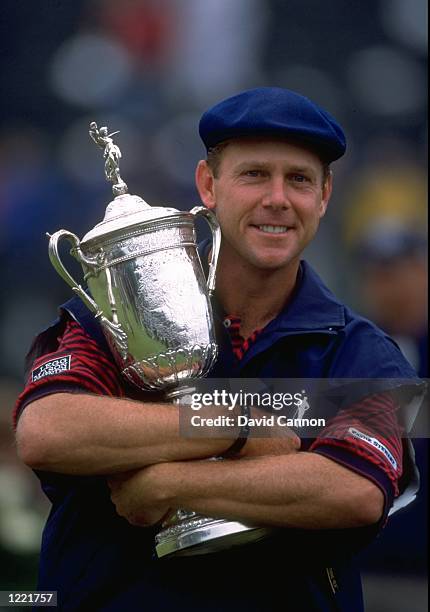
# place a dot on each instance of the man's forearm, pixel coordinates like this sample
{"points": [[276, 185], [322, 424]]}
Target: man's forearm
{"points": [[301, 490], [88, 434]]}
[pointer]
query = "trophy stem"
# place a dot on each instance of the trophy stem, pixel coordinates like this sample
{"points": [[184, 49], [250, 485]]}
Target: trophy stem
{"points": [[187, 533], [178, 394]]}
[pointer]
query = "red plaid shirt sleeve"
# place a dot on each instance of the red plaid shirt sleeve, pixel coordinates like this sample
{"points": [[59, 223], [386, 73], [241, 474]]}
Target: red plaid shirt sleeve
{"points": [[77, 364], [368, 429]]}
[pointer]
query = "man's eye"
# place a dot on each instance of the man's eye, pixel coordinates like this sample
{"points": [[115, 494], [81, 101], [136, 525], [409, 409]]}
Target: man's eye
{"points": [[253, 173], [299, 178]]}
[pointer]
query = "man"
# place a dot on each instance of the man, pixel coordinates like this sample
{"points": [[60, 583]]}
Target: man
{"points": [[267, 177]]}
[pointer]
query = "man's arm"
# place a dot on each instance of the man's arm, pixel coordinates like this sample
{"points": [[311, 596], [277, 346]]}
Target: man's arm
{"points": [[300, 490], [73, 433]]}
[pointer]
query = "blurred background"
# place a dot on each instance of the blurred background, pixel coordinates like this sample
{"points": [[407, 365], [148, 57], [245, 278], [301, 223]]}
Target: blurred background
{"points": [[149, 68]]}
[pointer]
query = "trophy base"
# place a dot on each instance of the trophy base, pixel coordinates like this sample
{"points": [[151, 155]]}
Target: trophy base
{"points": [[204, 536]]}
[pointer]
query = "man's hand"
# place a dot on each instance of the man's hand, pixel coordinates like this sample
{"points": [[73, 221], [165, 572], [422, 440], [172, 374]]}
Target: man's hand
{"points": [[136, 497]]}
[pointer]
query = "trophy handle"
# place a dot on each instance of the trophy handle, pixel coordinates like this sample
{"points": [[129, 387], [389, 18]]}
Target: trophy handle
{"points": [[58, 265], [202, 211]]}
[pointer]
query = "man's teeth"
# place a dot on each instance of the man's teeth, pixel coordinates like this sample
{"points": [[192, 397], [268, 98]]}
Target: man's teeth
{"points": [[273, 229]]}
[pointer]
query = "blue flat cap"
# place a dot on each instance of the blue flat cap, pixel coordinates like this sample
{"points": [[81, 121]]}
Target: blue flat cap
{"points": [[276, 112]]}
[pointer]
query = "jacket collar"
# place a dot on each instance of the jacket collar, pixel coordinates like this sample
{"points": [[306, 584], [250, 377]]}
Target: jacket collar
{"points": [[312, 306]]}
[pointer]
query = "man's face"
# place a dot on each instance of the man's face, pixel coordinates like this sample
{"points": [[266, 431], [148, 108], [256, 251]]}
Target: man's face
{"points": [[269, 197]]}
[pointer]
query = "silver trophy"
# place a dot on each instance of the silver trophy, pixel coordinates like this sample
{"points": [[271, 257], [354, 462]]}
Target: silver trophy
{"points": [[148, 291]]}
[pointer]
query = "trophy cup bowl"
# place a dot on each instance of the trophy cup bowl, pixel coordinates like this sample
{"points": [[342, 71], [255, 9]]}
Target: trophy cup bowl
{"points": [[147, 288], [148, 291]]}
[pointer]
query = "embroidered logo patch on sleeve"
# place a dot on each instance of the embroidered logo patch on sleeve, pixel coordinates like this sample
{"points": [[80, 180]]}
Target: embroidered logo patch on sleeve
{"points": [[375, 443], [54, 366]]}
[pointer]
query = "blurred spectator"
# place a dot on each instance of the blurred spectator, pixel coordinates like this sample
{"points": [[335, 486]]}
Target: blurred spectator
{"points": [[146, 28], [35, 197], [395, 289], [34, 194], [219, 50], [386, 223], [386, 233]]}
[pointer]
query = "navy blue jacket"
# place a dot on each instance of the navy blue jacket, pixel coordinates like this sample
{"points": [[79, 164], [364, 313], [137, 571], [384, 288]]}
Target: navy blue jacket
{"points": [[97, 561]]}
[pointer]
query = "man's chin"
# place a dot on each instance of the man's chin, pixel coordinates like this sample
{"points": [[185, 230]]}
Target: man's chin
{"points": [[268, 260], [272, 263]]}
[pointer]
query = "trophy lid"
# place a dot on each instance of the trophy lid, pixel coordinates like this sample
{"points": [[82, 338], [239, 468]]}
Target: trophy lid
{"points": [[125, 210]]}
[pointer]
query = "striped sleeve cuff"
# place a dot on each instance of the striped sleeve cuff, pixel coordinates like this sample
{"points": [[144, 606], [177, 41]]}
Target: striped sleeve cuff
{"points": [[363, 467]]}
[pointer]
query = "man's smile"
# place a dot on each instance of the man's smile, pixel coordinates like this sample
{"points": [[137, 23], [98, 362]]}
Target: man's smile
{"points": [[271, 229]]}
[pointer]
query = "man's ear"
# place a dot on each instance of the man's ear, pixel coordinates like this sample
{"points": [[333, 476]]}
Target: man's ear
{"points": [[205, 183], [327, 188]]}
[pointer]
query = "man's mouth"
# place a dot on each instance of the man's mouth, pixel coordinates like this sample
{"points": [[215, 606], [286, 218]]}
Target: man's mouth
{"points": [[272, 229]]}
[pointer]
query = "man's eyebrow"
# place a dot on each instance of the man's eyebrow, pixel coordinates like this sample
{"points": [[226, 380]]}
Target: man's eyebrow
{"points": [[262, 164], [303, 169], [253, 163]]}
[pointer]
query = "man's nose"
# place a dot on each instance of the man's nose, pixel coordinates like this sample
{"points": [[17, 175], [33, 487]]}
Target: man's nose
{"points": [[276, 195]]}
